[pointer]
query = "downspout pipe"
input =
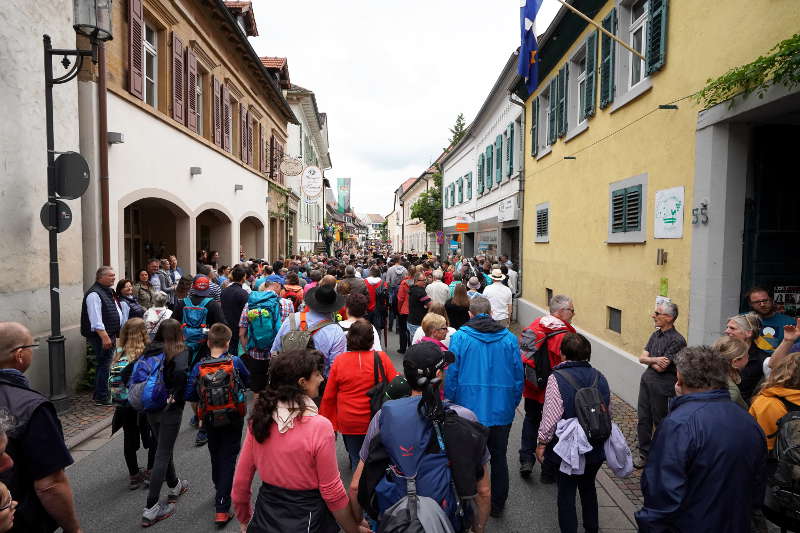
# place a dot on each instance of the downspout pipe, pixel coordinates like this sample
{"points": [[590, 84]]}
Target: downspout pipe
{"points": [[102, 134]]}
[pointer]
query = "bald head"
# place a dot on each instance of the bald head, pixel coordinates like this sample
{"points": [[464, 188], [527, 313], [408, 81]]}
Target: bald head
{"points": [[14, 335]]}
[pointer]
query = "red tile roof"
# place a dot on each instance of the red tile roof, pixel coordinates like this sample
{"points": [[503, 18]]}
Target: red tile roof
{"points": [[408, 183], [273, 62]]}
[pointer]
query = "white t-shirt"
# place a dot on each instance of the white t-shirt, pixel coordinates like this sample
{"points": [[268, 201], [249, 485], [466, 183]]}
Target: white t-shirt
{"points": [[376, 343], [419, 334], [438, 291], [500, 297]]}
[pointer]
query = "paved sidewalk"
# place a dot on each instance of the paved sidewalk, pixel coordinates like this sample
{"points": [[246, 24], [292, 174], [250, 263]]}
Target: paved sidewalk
{"points": [[82, 419]]}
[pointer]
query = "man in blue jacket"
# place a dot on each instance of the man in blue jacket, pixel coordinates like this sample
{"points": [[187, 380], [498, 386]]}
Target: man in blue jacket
{"points": [[706, 467], [487, 378]]}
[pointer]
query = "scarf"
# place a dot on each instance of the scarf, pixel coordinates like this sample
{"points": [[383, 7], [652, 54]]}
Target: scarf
{"points": [[285, 414]]}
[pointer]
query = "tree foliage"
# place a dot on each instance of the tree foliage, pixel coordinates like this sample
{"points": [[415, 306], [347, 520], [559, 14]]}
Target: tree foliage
{"points": [[458, 130], [428, 207], [385, 230], [780, 67]]}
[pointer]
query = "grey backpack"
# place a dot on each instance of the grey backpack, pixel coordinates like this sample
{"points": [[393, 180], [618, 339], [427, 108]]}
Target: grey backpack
{"points": [[301, 338], [414, 514]]}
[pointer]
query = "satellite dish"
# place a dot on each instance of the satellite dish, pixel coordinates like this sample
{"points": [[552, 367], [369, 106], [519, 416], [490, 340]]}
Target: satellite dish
{"points": [[63, 216], [72, 175]]}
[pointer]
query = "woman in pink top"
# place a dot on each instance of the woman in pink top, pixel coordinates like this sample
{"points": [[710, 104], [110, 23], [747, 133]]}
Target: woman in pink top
{"points": [[293, 449]]}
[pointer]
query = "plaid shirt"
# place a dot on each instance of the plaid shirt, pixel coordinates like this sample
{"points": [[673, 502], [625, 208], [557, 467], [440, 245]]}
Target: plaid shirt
{"points": [[287, 308]]}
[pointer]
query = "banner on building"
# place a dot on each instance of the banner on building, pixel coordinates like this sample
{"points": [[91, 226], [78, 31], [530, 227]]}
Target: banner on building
{"points": [[669, 214], [343, 188], [311, 183]]}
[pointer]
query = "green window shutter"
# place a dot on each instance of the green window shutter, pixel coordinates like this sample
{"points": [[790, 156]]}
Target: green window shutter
{"points": [[562, 101], [607, 58], [452, 194], [618, 211], [633, 208], [552, 132], [535, 127], [656, 36], [489, 166], [445, 193], [481, 165], [498, 159], [591, 79], [510, 149], [460, 190], [468, 178]]}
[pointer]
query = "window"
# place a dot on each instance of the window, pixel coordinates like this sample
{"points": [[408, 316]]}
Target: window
{"points": [[489, 169], [636, 35], [581, 81], [460, 190], [614, 319], [627, 206], [481, 166], [543, 222], [498, 158], [548, 294], [150, 54], [541, 123], [234, 121], [509, 159], [468, 185], [198, 98]]}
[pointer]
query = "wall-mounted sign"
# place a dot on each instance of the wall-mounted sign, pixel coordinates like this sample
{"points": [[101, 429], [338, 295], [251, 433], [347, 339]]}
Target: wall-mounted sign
{"points": [[462, 226], [669, 214], [311, 183], [507, 210]]}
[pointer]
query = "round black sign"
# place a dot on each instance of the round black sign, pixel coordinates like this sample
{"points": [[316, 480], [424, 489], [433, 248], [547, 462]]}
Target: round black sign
{"points": [[72, 175], [63, 216]]}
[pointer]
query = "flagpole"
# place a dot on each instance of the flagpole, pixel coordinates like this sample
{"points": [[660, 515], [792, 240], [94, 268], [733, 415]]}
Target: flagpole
{"points": [[602, 29]]}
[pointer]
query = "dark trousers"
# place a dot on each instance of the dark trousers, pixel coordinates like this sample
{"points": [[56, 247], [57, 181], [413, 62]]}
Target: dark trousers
{"points": [[498, 447], [530, 433], [258, 372], [393, 314], [165, 426], [223, 447], [584, 484], [132, 433], [655, 391], [402, 331], [352, 444], [102, 361]]}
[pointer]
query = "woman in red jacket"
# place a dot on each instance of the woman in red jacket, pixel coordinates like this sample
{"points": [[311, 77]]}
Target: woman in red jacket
{"points": [[402, 311], [345, 402]]}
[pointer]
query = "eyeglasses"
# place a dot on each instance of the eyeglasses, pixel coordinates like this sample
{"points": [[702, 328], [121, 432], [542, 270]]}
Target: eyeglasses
{"points": [[23, 347], [759, 302], [6, 506], [570, 309]]}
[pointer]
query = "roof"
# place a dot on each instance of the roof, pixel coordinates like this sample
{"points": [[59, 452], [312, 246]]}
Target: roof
{"points": [[372, 218], [244, 8], [407, 184], [273, 62]]}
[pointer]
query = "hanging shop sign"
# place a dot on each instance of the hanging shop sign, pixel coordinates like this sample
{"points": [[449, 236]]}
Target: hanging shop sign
{"points": [[668, 214], [311, 183], [290, 166]]}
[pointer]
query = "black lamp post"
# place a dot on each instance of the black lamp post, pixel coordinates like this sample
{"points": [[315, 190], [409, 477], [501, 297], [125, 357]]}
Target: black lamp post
{"points": [[93, 19]]}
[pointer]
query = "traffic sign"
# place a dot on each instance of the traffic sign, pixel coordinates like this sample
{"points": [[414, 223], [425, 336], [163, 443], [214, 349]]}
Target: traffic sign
{"points": [[72, 175], [63, 216]]}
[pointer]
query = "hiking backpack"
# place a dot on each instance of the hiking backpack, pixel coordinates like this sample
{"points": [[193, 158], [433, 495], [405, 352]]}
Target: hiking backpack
{"points": [[783, 487], [221, 392], [591, 409], [295, 296], [146, 388], [194, 326], [378, 296], [536, 356], [116, 385], [263, 319], [301, 338]]}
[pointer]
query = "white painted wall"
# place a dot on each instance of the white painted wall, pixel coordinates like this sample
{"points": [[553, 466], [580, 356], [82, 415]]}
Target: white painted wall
{"points": [[24, 289], [309, 213]]}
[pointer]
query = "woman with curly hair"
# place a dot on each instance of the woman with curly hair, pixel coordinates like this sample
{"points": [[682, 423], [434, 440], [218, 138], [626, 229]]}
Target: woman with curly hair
{"points": [[293, 449]]}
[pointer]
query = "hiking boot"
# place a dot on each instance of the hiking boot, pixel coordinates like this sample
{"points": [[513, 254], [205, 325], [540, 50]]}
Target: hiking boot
{"points": [[177, 490], [202, 438], [135, 481], [221, 519], [156, 513], [525, 468]]}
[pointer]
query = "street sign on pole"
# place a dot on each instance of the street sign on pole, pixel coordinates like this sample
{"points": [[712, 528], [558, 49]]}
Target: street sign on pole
{"points": [[63, 217], [72, 175]]}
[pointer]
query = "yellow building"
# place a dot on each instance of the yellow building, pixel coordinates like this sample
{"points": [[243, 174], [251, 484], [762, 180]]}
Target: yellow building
{"points": [[632, 191]]}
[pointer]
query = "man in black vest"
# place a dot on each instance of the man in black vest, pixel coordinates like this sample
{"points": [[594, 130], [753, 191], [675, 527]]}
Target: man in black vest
{"points": [[102, 316], [234, 298], [35, 444]]}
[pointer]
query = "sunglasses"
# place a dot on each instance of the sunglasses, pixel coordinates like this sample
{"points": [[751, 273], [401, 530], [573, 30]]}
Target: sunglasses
{"points": [[23, 347]]}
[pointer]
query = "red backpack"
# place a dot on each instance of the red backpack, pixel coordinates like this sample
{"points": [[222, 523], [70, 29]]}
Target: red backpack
{"points": [[295, 296], [376, 294], [221, 392]]}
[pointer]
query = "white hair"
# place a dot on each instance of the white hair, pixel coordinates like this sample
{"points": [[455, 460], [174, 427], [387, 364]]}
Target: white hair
{"points": [[559, 302]]}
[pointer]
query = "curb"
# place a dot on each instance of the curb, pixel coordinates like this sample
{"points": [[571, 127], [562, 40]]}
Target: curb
{"points": [[86, 434], [622, 501]]}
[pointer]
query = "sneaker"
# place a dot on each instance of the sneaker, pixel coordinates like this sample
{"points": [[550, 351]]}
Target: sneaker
{"points": [[177, 490], [221, 519], [156, 513], [135, 481], [525, 468], [202, 438]]}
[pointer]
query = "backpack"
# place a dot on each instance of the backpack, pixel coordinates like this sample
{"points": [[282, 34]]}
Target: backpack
{"points": [[783, 487], [116, 385], [301, 338], [591, 409], [146, 388], [536, 356], [378, 296], [221, 392], [295, 296], [408, 484], [194, 327], [263, 319], [377, 394]]}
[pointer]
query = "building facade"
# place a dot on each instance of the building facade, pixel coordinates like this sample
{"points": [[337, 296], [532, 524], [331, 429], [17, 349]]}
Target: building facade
{"points": [[634, 192], [482, 186], [415, 237]]}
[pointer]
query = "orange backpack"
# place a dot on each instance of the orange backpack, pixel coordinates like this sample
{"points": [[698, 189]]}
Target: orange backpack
{"points": [[295, 296], [221, 392]]}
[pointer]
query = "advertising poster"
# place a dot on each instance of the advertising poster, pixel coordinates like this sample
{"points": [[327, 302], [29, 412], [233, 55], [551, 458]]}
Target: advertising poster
{"points": [[343, 187]]}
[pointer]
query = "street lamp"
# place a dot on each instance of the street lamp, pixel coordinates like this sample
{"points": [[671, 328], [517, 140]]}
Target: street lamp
{"points": [[92, 19]]}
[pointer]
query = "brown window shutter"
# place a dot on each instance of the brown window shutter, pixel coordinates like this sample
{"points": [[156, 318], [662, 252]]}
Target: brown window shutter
{"points": [[272, 163], [280, 158], [262, 158], [191, 95], [249, 140], [135, 45], [217, 90], [226, 119], [178, 80], [242, 133]]}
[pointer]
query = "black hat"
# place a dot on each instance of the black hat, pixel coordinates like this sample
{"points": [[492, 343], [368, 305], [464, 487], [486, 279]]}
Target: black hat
{"points": [[424, 359], [324, 299]]}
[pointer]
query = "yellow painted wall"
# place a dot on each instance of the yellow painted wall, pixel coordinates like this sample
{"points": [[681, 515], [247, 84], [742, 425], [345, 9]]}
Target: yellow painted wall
{"points": [[705, 39]]}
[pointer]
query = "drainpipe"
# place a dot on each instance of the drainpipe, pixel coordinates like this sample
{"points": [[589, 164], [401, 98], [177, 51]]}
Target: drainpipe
{"points": [[521, 190], [102, 134]]}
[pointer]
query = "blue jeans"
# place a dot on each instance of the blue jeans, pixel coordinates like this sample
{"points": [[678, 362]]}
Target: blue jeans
{"points": [[102, 360], [498, 447], [412, 328], [567, 486], [353, 443]]}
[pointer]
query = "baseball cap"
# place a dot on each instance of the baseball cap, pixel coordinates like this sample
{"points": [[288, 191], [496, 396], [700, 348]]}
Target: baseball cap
{"points": [[423, 359], [201, 286]]}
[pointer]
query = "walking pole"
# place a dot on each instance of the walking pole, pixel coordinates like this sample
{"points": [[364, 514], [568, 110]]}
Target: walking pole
{"points": [[602, 29]]}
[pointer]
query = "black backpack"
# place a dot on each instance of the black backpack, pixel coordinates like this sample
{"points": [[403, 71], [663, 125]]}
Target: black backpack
{"points": [[784, 485], [591, 409], [377, 394], [535, 350]]}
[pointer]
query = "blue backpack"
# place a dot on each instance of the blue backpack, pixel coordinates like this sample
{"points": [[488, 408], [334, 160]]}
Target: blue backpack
{"points": [[416, 450], [263, 319], [195, 329], [146, 388]]}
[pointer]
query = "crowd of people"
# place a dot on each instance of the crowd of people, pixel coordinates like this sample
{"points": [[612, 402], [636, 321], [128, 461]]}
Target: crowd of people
{"points": [[275, 361]]}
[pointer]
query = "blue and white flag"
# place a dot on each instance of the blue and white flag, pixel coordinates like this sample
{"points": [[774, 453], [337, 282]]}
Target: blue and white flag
{"points": [[528, 66]]}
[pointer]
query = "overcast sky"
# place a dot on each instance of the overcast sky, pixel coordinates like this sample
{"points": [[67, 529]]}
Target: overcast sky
{"points": [[392, 76]]}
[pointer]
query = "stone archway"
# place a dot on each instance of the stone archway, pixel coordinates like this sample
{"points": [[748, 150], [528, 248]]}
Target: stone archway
{"points": [[154, 227], [251, 237], [213, 233]]}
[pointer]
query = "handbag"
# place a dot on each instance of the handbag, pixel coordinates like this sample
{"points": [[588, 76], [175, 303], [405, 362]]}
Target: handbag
{"points": [[377, 394]]}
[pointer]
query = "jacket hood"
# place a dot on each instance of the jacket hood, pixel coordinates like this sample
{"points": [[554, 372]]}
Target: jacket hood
{"points": [[154, 348], [792, 395], [484, 329], [551, 323]]}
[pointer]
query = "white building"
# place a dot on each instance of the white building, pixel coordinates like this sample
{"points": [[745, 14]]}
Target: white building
{"points": [[481, 185], [374, 224]]}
